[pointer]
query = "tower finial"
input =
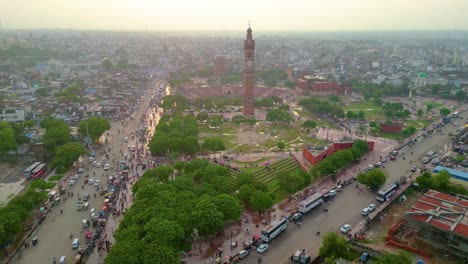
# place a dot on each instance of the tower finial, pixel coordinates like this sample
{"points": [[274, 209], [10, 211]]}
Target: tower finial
{"points": [[249, 22]]}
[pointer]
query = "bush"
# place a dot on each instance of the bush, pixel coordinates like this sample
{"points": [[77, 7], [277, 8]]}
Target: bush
{"points": [[57, 177]]}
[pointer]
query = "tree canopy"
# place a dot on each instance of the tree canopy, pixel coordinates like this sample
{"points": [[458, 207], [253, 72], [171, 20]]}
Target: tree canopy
{"points": [[96, 127], [278, 115], [165, 215], [175, 135], [57, 133], [334, 246], [316, 106], [373, 178], [7, 138], [401, 257], [66, 155]]}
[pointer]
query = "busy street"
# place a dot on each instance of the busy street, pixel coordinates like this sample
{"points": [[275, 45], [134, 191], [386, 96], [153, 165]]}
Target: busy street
{"points": [[97, 188]]}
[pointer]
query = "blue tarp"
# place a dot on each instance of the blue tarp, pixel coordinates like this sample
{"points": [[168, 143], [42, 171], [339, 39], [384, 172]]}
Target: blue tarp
{"points": [[460, 175]]}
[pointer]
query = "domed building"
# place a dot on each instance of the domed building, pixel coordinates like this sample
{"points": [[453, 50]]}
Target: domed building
{"points": [[421, 79]]}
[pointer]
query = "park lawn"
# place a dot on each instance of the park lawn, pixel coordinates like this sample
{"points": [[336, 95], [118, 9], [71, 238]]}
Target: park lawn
{"points": [[435, 104], [249, 162], [250, 169], [280, 195], [414, 123], [390, 136], [57, 177], [371, 110]]}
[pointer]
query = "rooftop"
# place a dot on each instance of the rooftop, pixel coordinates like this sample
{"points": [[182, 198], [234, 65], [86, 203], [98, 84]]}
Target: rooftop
{"points": [[442, 211]]}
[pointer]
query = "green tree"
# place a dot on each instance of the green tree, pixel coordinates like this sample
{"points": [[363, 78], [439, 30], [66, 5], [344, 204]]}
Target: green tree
{"points": [[290, 182], [207, 218], [334, 98], [202, 117], [7, 138], [350, 115], [429, 107], [96, 127], [229, 206], [361, 114], [420, 112], [66, 155], [164, 231], [278, 115], [175, 102], [238, 119], [373, 178], [309, 124], [245, 192], [57, 133], [162, 173], [401, 257], [281, 145], [107, 64], [334, 246], [184, 183], [159, 253], [41, 93], [260, 201], [213, 144], [441, 181], [444, 111], [125, 253], [215, 120], [245, 178]]}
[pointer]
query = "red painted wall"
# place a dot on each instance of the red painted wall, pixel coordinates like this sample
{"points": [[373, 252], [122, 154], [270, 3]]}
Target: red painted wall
{"points": [[329, 151]]}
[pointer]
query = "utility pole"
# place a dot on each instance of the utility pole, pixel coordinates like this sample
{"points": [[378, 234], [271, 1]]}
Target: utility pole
{"points": [[87, 135]]}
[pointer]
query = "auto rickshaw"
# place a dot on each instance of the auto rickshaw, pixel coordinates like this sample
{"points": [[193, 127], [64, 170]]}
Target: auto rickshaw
{"points": [[88, 234], [34, 241]]}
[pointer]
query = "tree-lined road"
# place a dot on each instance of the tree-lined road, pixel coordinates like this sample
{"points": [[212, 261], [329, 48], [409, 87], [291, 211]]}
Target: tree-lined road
{"points": [[347, 205]]}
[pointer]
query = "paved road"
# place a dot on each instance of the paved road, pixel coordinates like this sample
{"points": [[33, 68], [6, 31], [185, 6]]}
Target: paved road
{"points": [[347, 206], [54, 233]]}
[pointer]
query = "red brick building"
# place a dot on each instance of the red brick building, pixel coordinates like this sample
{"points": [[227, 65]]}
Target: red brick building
{"points": [[222, 65], [441, 220], [392, 127], [320, 86], [316, 154]]}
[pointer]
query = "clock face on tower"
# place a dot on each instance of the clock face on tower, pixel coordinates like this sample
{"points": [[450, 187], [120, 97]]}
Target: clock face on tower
{"points": [[249, 63]]}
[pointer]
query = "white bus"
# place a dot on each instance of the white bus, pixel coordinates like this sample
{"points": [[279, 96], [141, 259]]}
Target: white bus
{"points": [[274, 229], [310, 203], [386, 192], [29, 170]]}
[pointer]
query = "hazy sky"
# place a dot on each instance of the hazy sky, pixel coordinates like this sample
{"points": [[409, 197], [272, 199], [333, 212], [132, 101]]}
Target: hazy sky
{"points": [[234, 14]]}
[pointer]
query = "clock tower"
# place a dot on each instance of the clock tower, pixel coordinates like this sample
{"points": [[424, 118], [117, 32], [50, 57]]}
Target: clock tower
{"points": [[249, 60]]}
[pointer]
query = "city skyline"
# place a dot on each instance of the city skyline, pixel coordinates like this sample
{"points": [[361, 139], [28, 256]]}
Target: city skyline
{"points": [[300, 15]]}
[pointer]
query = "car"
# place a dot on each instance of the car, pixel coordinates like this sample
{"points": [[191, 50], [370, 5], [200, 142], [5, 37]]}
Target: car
{"points": [[71, 182], [332, 193], [426, 160], [91, 159], [98, 165], [370, 167], [436, 161], [97, 182], [262, 248], [431, 153], [75, 243], [86, 197], [339, 188], [365, 211], [371, 207], [345, 228], [90, 181], [243, 253], [126, 139], [106, 166], [414, 168], [80, 170], [378, 164], [395, 152], [392, 157], [364, 257], [76, 177], [297, 216], [384, 159]]}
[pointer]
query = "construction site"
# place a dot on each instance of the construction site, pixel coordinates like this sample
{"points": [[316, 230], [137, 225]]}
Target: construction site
{"points": [[433, 226]]}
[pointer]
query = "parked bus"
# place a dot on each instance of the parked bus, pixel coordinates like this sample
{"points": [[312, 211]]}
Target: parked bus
{"points": [[38, 171], [274, 229], [310, 203], [386, 192], [29, 170]]}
